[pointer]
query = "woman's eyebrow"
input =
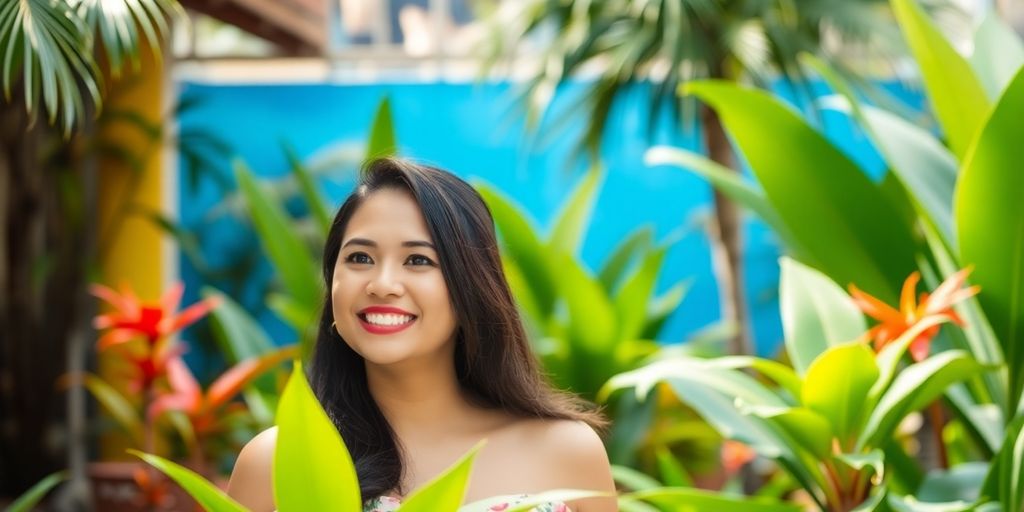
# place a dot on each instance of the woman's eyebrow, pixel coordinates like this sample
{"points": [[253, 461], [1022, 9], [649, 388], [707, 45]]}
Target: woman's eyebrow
{"points": [[371, 243]]}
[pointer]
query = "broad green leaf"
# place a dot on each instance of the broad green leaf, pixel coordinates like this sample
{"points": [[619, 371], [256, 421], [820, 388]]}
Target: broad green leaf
{"points": [[522, 244], [1005, 480], [698, 500], [632, 299], [998, 53], [203, 491], [571, 223], [816, 313], [28, 501], [990, 226], [915, 387], [955, 94], [874, 459], [837, 384], [119, 407], [314, 200], [774, 370], [842, 220], [728, 182], [446, 491], [925, 167], [312, 468], [592, 316], [808, 429], [722, 377], [637, 243], [670, 470], [292, 260], [382, 140], [959, 483], [631, 479], [912, 504]]}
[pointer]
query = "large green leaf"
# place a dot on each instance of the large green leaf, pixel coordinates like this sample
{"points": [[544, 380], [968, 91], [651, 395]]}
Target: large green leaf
{"points": [[836, 213], [956, 95], [637, 243], [285, 248], [117, 405], [571, 223], [382, 140], [990, 226], [592, 316], [816, 313], [723, 378], [837, 386], [632, 299], [312, 468], [314, 201], [727, 182], [915, 387], [27, 501], [205, 493], [925, 167], [697, 500], [808, 429], [998, 53], [523, 246], [446, 491]]}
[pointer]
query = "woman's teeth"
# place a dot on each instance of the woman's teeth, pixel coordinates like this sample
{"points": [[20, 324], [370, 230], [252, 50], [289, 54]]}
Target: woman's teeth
{"points": [[377, 319]]}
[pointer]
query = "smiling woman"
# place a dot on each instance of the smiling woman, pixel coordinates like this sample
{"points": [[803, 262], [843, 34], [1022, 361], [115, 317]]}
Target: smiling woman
{"points": [[421, 353]]}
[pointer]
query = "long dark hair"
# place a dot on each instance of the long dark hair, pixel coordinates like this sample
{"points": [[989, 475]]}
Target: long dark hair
{"points": [[493, 360]]}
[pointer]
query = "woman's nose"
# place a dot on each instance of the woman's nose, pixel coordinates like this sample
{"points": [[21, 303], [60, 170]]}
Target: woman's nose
{"points": [[384, 283]]}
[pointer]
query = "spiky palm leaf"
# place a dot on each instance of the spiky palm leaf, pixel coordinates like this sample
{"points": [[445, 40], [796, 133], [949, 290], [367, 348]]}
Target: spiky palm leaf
{"points": [[50, 46], [670, 42]]}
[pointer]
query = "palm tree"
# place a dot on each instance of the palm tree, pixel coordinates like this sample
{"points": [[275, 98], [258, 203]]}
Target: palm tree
{"points": [[53, 55], [668, 43]]}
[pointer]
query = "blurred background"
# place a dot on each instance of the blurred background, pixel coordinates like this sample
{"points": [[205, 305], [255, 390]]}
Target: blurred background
{"points": [[169, 169]]}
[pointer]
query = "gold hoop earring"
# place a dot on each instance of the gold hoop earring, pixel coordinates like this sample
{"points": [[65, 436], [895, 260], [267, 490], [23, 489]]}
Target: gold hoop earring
{"points": [[334, 325]]}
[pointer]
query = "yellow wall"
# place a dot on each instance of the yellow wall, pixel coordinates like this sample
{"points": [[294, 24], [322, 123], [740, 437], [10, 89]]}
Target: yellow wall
{"points": [[130, 245]]}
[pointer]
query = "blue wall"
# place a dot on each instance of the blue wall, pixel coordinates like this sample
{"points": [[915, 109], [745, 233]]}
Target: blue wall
{"points": [[475, 131]]}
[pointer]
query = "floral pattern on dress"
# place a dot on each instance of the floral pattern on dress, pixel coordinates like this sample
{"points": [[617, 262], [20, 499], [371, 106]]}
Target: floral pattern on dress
{"points": [[391, 504]]}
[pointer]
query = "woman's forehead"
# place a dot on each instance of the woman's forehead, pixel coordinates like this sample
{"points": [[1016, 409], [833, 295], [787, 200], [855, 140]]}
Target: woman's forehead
{"points": [[388, 217]]}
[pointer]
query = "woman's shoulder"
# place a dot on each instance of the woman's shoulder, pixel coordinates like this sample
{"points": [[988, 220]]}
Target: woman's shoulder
{"points": [[251, 481], [563, 443]]}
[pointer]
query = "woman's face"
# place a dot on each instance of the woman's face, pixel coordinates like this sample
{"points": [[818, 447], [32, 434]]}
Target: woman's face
{"points": [[390, 300]]}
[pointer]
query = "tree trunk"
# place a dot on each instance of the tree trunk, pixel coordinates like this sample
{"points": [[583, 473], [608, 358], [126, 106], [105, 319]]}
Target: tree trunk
{"points": [[42, 269], [727, 240]]}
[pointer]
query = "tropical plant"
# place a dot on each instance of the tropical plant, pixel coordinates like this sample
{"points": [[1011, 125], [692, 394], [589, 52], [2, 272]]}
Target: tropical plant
{"points": [[669, 43], [830, 424], [939, 209]]}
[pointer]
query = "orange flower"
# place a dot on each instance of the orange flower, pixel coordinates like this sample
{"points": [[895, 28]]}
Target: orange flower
{"points": [[735, 455], [893, 323]]}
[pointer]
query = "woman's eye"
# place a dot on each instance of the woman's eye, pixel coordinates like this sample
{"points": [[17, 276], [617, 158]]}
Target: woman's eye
{"points": [[417, 259], [358, 257]]}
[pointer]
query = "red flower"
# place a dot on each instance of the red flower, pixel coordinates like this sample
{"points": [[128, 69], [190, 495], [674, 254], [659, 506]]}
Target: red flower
{"points": [[735, 455], [153, 323], [893, 323]]}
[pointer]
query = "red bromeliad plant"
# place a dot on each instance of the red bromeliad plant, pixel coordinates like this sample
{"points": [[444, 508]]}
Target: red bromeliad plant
{"points": [[894, 322]]}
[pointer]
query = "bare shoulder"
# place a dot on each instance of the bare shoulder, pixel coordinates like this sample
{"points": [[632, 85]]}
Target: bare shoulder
{"points": [[572, 457], [251, 482]]}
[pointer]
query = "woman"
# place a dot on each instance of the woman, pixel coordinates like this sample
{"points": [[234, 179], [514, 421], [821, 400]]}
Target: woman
{"points": [[421, 353]]}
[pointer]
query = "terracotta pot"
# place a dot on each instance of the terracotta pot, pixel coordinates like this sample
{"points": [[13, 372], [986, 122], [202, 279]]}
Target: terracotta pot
{"points": [[136, 487]]}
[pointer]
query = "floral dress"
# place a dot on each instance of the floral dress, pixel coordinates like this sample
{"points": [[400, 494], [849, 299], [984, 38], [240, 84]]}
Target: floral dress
{"points": [[390, 504]]}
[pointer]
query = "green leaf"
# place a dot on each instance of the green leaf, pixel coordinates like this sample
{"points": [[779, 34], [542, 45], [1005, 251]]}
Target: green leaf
{"points": [[808, 429], [874, 459], [696, 500], [955, 94], [382, 140], [774, 370], [314, 200], [888, 358], [572, 221], [990, 226], [722, 377], [728, 182], [925, 167], [959, 483], [523, 245], [662, 307], [915, 387], [28, 501], [638, 242], [205, 493], [592, 317], [446, 491], [285, 248], [119, 407], [312, 468], [629, 478], [302, 320], [837, 386], [632, 300], [816, 313], [670, 470], [841, 219], [998, 53]]}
